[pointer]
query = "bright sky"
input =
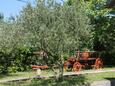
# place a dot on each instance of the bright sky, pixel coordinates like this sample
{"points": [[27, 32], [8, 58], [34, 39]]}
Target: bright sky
{"points": [[13, 7]]}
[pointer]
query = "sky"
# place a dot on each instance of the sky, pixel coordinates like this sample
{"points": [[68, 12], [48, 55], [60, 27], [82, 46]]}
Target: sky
{"points": [[13, 7]]}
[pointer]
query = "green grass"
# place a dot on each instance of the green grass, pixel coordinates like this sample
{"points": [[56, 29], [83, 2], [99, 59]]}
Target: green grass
{"points": [[75, 80], [17, 75], [100, 76], [28, 74], [68, 81]]}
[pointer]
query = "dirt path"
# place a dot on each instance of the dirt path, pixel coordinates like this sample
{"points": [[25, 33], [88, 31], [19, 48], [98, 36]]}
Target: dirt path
{"points": [[88, 72]]}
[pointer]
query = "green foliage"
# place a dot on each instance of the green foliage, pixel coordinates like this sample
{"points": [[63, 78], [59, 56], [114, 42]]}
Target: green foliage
{"points": [[13, 48], [65, 56], [104, 38], [103, 23], [57, 29], [49, 26], [1, 16]]}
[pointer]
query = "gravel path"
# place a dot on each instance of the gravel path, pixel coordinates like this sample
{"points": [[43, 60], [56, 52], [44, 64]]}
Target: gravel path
{"points": [[87, 72]]}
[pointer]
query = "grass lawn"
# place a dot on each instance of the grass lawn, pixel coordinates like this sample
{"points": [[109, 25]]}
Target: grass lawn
{"points": [[100, 76], [68, 81], [12, 76], [75, 80], [28, 74]]}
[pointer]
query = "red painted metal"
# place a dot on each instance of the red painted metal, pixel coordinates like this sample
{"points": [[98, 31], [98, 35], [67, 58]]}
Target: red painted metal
{"points": [[83, 60], [39, 67]]}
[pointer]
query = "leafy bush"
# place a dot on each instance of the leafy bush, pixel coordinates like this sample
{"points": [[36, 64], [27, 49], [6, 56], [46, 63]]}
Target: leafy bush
{"points": [[55, 28]]}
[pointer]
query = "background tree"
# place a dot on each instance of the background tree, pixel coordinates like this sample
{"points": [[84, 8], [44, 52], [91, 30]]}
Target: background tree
{"points": [[1, 16], [104, 28], [13, 47], [99, 12]]}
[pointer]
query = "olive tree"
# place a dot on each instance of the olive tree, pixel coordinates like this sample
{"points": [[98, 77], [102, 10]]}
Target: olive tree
{"points": [[56, 29]]}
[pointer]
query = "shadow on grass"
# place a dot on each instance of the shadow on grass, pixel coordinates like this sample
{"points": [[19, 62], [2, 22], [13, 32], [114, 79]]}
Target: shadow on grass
{"points": [[67, 81]]}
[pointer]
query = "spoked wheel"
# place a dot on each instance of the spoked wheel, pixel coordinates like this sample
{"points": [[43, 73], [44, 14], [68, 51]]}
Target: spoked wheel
{"points": [[77, 66], [98, 63], [67, 65]]}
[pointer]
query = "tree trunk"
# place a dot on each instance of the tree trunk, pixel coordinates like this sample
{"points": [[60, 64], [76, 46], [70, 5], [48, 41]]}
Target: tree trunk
{"points": [[59, 76]]}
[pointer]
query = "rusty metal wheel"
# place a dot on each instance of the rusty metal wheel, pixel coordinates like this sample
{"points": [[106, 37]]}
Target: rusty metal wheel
{"points": [[67, 65], [98, 63], [77, 66]]}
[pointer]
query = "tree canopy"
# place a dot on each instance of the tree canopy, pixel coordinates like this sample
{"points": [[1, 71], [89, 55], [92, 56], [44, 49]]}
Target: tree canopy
{"points": [[58, 29]]}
